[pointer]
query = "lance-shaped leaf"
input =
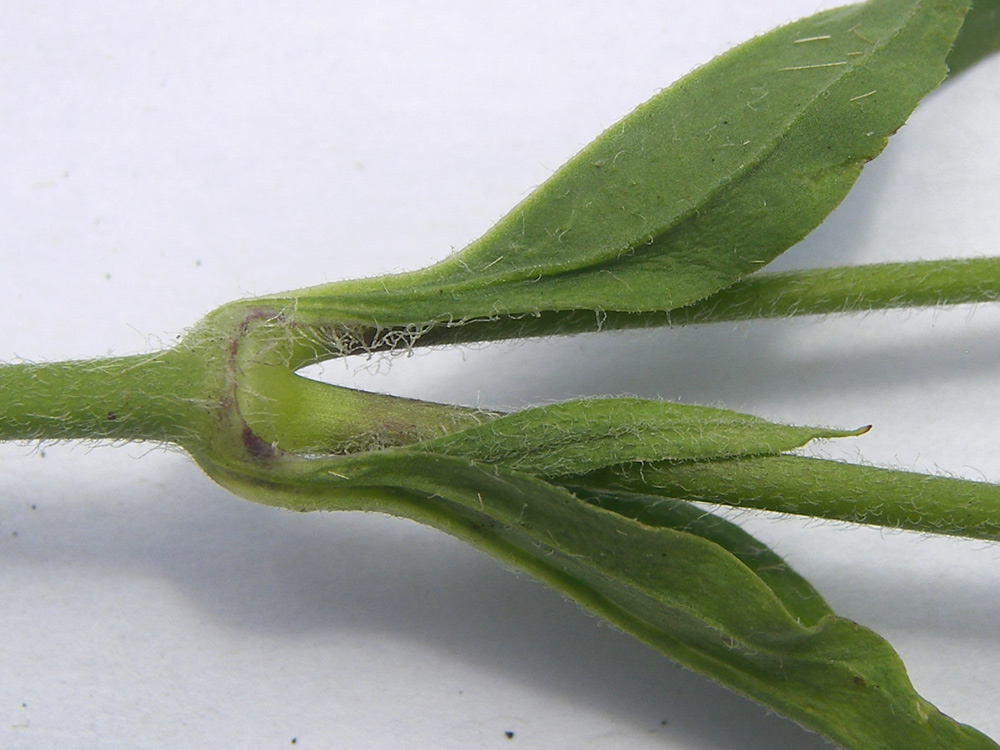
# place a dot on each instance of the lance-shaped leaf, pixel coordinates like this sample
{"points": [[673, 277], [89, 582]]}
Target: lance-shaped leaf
{"points": [[697, 188], [579, 436], [688, 587]]}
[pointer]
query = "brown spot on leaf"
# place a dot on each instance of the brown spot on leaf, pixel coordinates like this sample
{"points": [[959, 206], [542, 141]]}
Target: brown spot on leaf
{"points": [[255, 447]]}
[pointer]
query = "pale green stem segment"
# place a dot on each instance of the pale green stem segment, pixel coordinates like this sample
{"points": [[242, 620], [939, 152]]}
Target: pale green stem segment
{"points": [[821, 489], [228, 388], [292, 414]]}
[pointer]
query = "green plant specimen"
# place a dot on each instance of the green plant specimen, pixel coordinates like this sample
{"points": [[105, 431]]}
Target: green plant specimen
{"points": [[665, 218]]}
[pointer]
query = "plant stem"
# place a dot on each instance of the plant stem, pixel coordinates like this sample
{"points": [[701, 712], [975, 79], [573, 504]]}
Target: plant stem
{"points": [[820, 291], [235, 372], [822, 489], [229, 388], [846, 289], [142, 397]]}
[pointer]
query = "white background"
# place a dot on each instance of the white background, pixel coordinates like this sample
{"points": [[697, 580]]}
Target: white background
{"points": [[159, 159]]}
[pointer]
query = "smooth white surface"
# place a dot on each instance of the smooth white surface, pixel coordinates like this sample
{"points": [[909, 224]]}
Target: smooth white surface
{"points": [[161, 159]]}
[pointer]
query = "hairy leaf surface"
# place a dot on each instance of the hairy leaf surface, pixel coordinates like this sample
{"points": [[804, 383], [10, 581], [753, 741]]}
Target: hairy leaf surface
{"points": [[578, 436], [691, 587], [697, 188]]}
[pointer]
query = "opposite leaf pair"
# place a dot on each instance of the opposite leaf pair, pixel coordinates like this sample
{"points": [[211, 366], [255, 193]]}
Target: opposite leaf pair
{"points": [[662, 220]]}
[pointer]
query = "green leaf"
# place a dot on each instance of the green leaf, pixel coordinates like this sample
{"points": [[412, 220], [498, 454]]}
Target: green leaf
{"points": [[680, 201], [796, 594], [578, 436], [823, 489], [681, 584], [979, 37], [697, 188]]}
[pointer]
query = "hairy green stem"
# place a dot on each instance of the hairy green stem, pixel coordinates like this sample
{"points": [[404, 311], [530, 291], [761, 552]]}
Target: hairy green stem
{"points": [[822, 489], [229, 388], [849, 289], [191, 389], [160, 397], [820, 291]]}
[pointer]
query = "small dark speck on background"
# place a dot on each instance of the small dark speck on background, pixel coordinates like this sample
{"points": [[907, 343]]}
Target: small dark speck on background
{"points": [[295, 740], [508, 734]]}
